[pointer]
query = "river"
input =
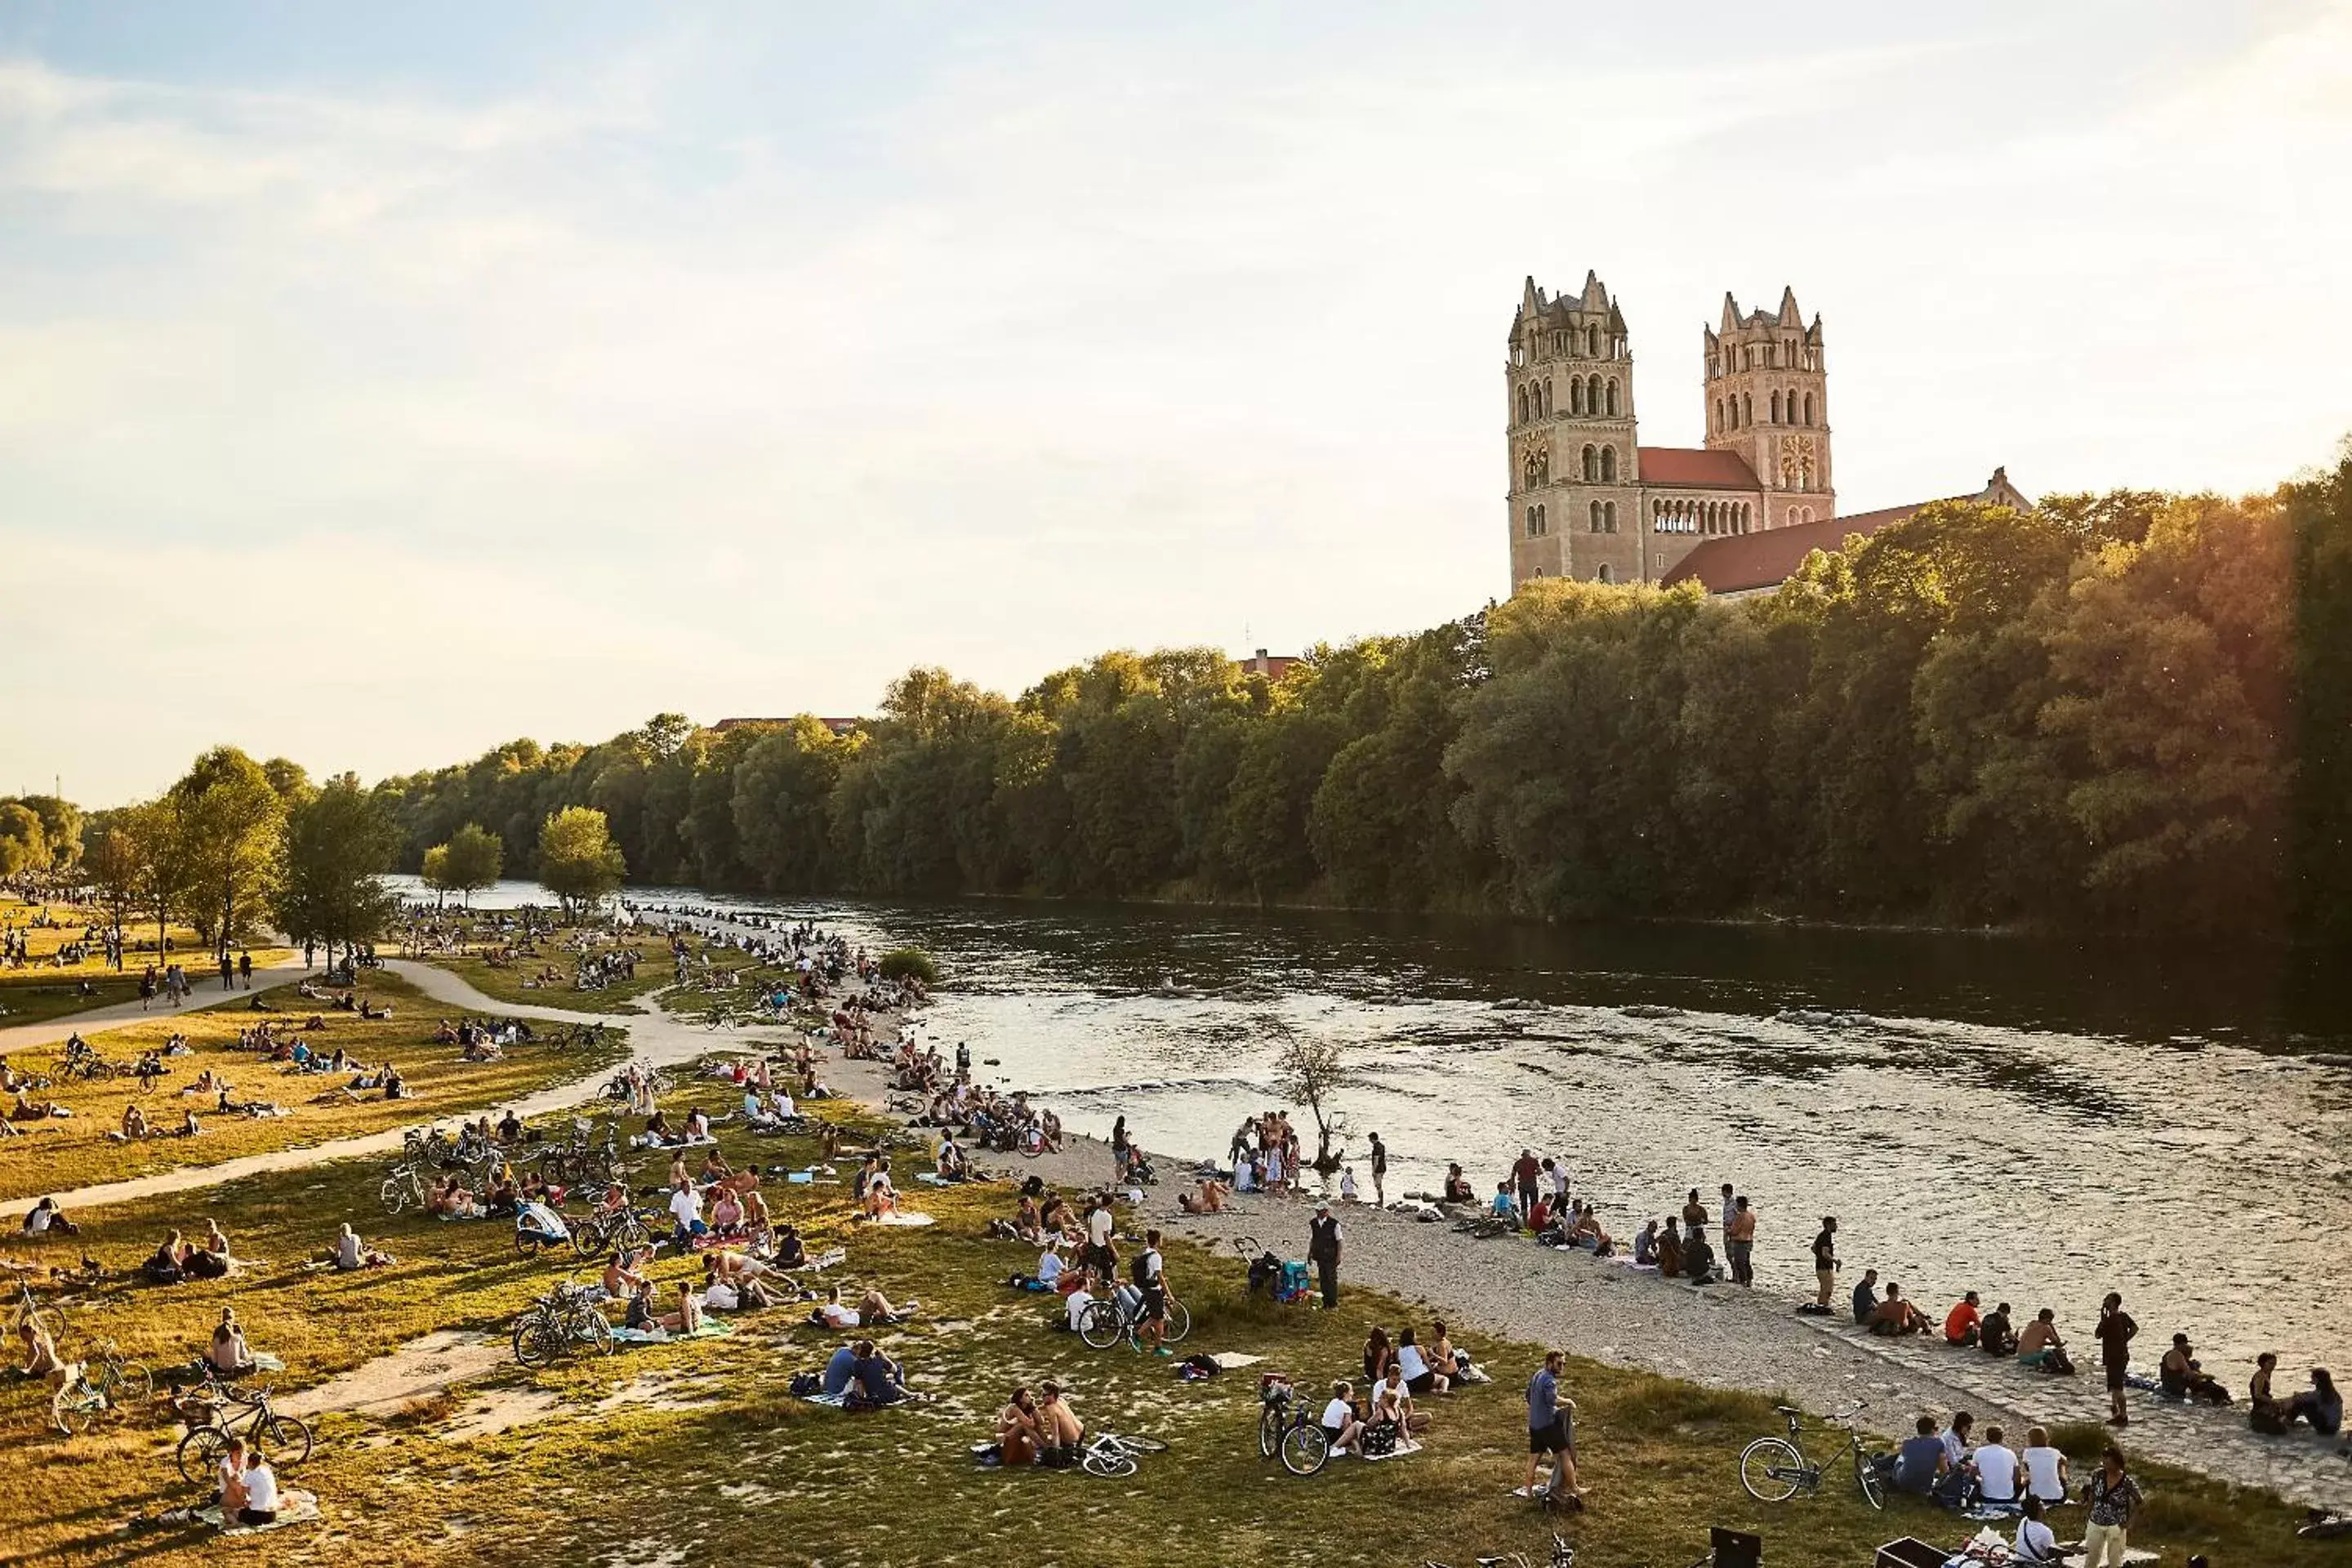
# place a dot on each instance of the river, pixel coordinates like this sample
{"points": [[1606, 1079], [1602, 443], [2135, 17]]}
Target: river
{"points": [[2040, 1122]]}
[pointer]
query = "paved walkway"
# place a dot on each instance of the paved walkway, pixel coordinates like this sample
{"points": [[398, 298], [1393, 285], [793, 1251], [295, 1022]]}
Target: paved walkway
{"points": [[207, 994]]}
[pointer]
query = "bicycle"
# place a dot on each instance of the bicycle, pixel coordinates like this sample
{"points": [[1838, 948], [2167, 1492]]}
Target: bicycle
{"points": [[1289, 1430], [624, 1229], [284, 1440], [549, 1327], [1775, 1470], [403, 1188], [1112, 1456], [1563, 1555], [1118, 1316], [104, 1382]]}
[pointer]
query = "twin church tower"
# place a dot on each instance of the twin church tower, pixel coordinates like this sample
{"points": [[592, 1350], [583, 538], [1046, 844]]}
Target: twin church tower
{"points": [[1588, 501]]}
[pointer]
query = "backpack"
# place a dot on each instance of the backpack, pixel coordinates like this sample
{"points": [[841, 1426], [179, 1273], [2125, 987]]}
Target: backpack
{"points": [[1140, 1270], [805, 1384]]}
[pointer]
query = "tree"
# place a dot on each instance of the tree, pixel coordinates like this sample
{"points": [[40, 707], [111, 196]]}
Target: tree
{"points": [[1311, 1071], [61, 826], [474, 858], [435, 872], [24, 842], [158, 845], [111, 865], [577, 861], [339, 842], [232, 819]]}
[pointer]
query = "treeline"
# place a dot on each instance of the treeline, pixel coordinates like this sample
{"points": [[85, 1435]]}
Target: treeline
{"points": [[2131, 709]]}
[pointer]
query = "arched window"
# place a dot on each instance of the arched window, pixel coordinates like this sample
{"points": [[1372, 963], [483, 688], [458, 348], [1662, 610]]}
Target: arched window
{"points": [[1609, 517], [1612, 395], [1547, 397], [1592, 396], [1608, 465], [1747, 408], [1531, 523], [1593, 343], [1601, 575], [1596, 517], [1523, 406], [1575, 394], [1776, 408], [1809, 408], [1592, 465]]}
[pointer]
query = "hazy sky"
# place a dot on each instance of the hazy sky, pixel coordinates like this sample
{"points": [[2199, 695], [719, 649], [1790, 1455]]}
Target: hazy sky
{"points": [[380, 383]]}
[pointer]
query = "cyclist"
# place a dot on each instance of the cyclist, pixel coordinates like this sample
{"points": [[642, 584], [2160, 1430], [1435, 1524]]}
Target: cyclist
{"points": [[1151, 1280]]}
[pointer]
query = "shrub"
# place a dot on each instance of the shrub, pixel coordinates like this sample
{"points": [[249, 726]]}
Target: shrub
{"points": [[911, 963]]}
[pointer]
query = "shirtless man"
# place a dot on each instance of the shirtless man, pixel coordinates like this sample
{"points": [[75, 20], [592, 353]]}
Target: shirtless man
{"points": [[1063, 1429]]}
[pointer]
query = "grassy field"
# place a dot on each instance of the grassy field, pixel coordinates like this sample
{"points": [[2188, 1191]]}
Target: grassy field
{"points": [[42, 989], [61, 1153], [522, 979], [695, 1452]]}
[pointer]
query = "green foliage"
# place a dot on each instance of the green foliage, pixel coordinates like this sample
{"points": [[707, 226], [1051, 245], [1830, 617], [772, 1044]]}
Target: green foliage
{"points": [[229, 815], [24, 842], [910, 964], [472, 859], [57, 847], [2126, 709], [577, 861], [339, 841]]}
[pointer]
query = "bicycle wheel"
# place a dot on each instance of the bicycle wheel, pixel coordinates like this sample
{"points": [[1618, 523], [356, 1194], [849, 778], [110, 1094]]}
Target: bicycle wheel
{"points": [[1770, 1469], [1866, 1475], [594, 1331], [75, 1407], [394, 1193], [1144, 1445], [531, 1348], [1306, 1448], [1110, 1463], [1099, 1325], [200, 1450], [1269, 1431], [283, 1438], [1179, 1321], [131, 1381]]}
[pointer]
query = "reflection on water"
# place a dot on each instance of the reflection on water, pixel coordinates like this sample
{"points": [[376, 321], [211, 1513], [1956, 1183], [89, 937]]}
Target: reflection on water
{"points": [[2042, 1121]]}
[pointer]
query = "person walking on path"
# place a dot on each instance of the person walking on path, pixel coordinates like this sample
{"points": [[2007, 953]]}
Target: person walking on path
{"points": [[1323, 1242], [2114, 1499], [1380, 1173], [2115, 1330], [244, 967], [228, 970], [1549, 1431], [1739, 1241], [1825, 1266]]}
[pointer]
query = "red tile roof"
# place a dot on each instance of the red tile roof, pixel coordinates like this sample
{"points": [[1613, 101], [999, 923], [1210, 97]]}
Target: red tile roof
{"points": [[1739, 562], [1691, 469]]}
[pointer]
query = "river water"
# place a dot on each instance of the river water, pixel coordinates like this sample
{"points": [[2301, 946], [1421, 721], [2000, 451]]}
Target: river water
{"points": [[2036, 1121]]}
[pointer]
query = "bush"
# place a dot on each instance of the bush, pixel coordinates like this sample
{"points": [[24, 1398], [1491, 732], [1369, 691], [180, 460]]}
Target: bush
{"points": [[911, 963]]}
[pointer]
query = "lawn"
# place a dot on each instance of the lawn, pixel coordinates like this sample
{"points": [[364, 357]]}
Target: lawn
{"points": [[696, 1452], [62, 1153], [541, 973], [41, 988]]}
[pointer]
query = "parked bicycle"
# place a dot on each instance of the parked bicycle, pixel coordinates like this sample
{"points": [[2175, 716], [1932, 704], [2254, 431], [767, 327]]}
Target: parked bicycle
{"points": [[78, 1060], [623, 1230], [1775, 1470], [553, 1326], [1119, 1315], [1289, 1430], [1563, 1555], [285, 1440], [1111, 1457], [105, 1381], [403, 1188]]}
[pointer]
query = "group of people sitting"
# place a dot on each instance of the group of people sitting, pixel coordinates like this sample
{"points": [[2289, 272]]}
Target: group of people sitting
{"points": [[179, 1260], [1952, 1468]]}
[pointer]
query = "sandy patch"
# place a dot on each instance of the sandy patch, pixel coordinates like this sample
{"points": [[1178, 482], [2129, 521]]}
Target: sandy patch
{"points": [[501, 1410], [421, 1367]]}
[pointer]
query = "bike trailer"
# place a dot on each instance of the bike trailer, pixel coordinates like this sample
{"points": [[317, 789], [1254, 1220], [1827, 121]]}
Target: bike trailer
{"points": [[1294, 1282], [537, 1220]]}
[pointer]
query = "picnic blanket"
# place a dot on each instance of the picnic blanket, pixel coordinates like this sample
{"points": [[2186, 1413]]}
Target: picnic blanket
{"points": [[298, 1507], [908, 1220], [711, 1330]]}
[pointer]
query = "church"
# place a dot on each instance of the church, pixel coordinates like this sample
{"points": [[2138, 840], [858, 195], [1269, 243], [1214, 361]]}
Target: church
{"points": [[1737, 515]]}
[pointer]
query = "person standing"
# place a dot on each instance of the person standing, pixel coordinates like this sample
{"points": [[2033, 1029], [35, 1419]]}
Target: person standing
{"points": [[244, 967], [1739, 1242], [1550, 1431], [1524, 1173], [2114, 1499], [1324, 1240], [2114, 1333], [1118, 1150], [1380, 1173], [1723, 1210], [1825, 1267], [227, 968]]}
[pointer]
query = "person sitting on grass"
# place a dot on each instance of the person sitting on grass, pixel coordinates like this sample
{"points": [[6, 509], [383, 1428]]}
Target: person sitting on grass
{"points": [[686, 1212], [1922, 1461], [41, 1359], [450, 1200], [787, 1249], [258, 1504], [1894, 1317], [2045, 1467], [1419, 1377], [727, 1214], [688, 1319], [875, 1380], [45, 1218], [1392, 1405], [950, 1163], [134, 1121], [878, 1197], [621, 1275], [228, 1354], [1020, 1435], [351, 1254], [1338, 1419], [2036, 1542], [1996, 1468], [1063, 1430]]}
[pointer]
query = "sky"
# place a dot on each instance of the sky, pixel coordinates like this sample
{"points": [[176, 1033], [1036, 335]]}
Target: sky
{"points": [[379, 384]]}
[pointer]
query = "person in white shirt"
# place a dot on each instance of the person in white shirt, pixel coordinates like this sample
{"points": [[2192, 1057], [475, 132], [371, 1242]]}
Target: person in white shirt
{"points": [[1419, 1376], [1339, 1418], [1080, 1299], [1347, 1185], [686, 1208], [1997, 1467], [781, 1103], [1049, 1266], [260, 1492], [2045, 1467], [2036, 1542]]}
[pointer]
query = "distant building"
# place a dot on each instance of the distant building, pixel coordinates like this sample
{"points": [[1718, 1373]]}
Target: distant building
{"points": [[838, 726], [1588, 501], [1752, 563], [1273, 666]]}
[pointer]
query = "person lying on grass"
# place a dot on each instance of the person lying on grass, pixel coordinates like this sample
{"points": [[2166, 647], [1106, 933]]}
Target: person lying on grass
{"points": [[732, 1280], [1209, 1199], [873, 1308]]}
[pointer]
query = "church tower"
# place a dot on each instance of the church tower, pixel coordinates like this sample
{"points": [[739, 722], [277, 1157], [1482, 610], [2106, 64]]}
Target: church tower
{"points": [[1574, 462], [1768, 400]]}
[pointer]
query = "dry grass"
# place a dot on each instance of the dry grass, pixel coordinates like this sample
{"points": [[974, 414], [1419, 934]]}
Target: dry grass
{"points": [[695, 1452], [42, 989]]}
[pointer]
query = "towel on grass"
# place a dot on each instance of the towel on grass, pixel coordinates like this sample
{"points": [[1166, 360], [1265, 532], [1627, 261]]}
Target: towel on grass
{"points": [[906, 1220], [708, 1331], [297, 1507]]}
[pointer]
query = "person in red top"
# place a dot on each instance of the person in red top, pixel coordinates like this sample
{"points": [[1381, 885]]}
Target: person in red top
{"points": [[1524, 1175], [1960, 1322]]}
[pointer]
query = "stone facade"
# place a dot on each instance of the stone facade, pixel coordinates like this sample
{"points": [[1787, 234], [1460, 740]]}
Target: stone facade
{"points": [[1588, 500]]}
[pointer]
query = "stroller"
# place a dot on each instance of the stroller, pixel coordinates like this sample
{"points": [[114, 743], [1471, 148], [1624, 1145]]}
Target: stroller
{"points": [[538, 1225]]}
